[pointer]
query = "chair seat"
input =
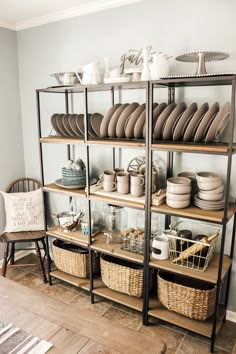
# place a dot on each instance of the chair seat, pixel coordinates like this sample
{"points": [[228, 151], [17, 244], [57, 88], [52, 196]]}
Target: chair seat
{"points": [[23, 236]]}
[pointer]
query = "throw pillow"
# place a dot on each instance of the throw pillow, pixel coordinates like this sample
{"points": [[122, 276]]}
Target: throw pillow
{"points": [[24, 211]]}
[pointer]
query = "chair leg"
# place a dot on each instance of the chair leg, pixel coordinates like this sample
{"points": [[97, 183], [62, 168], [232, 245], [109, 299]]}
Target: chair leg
{"points": [[45, 251], [12, 259], [40, 262], [4, 265]]}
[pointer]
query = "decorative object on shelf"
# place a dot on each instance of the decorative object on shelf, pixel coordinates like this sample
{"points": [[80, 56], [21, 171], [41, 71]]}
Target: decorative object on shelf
{"points": [[134, 58], [67, 78], [92, 74], [159, 66], [73, 259], [192, 244], [159, 197], [116, 222], [160, 247], [173, 290], [74, 173], [134, 73], [201, 57], [69, 220], [122, 276], [145, 75], [178, 192]]}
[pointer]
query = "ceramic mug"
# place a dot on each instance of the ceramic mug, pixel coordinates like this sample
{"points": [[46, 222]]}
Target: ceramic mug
{"points": [[160, 247], [108, 176], [118, 169], [136, 190], [122, 177], [137, 179], [122, 188], [109, 186]]}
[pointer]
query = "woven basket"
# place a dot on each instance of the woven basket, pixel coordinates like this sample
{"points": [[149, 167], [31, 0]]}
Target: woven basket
{"points": [[122, 276], [72, 262], [186, 296]]}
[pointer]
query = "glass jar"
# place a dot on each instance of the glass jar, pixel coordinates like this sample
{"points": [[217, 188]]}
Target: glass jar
{"points": [[116, 222], [140, 243], [125, 241], [133, 241]]}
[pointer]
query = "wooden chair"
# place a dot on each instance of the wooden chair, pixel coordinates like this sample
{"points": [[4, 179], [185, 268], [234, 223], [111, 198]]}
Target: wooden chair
{"points": [[11, 238]]}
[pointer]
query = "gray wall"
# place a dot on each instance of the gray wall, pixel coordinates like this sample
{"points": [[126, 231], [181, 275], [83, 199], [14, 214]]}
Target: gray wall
{"points": [[11, 144], [170, 26]]}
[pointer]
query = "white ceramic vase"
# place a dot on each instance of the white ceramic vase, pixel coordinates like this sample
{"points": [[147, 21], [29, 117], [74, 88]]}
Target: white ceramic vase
{"points": [[159, 66]]}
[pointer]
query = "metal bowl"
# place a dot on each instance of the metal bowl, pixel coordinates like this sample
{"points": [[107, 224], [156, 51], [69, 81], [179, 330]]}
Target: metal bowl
{"points": [[66, 78], [68, 220]]}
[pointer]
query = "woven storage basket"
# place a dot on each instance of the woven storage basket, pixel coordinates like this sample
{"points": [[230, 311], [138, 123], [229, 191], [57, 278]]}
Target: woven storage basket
{"points": [[122, 276], [72, 262], [194, 299]]}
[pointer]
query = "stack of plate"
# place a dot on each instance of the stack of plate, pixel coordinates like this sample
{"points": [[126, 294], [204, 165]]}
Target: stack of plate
{"points": [[72, 125], [210, 195], [178, 192]]}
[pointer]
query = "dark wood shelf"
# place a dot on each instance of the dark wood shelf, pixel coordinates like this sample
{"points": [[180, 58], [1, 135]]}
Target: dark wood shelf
{"points": [[114, 250], [193, 212], [210, 274], [133, 302]]}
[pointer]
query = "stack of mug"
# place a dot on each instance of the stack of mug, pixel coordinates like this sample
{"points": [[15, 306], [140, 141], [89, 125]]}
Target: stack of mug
{"points": [[123, 182]]}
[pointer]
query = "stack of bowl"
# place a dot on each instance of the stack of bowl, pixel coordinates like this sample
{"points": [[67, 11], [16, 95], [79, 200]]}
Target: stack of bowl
{"points": [[211, 191], [192, 177], [178, 192]]}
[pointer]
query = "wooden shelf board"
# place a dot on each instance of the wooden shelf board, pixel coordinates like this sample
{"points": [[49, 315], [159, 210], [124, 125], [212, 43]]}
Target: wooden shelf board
{"points": [[201, 327], [210, 274], [61, 140], [221, 149], [71, 279], [52, 187], [76, 237], [113, 143], [133, 302], [114, 249], [194, 212], [116, 201]]}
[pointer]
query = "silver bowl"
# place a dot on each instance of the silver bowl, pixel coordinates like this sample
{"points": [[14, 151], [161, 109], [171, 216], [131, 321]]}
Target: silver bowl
{"points": [[69, 220], [66, 78]]}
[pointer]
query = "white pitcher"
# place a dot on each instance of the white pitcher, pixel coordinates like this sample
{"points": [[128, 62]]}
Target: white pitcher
{"points": [[159, 66], [91, 74]]}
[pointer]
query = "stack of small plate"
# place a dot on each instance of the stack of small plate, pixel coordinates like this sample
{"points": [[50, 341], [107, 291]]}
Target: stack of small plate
{"points": [[178, 192], [210, 195]]}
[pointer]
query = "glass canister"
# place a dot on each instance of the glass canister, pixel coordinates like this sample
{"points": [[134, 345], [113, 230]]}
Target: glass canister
{"points": [[125, 240], [140, 243], [116, 222], [133, 241]]}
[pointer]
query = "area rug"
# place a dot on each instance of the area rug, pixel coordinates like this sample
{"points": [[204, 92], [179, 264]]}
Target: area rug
{"points": [[14, 340]]}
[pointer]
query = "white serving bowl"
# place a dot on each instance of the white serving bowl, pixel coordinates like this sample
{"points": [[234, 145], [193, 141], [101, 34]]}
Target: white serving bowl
{"points": [[177, 204], [190, 175], [213, 191], [181, 197], [179, 189], [178, 180], [210, 186], [207, 177], [206, 196]]}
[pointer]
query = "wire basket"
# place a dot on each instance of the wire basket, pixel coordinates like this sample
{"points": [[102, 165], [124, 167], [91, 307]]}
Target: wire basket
{"points": [[200, 260]]}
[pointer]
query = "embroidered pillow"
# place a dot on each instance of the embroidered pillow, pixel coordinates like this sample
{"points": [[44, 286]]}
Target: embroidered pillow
{"points": [[24, 211]]}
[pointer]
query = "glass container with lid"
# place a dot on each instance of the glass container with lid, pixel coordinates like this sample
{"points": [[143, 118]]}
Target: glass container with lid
{"points": [[115, 223]]}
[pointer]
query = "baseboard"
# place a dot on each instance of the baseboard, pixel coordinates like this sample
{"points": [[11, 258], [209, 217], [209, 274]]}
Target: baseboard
{"points": [[19, 255], [231, 316]]}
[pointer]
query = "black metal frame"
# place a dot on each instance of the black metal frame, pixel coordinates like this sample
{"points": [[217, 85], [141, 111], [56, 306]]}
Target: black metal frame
{"points": [[149, 87]]}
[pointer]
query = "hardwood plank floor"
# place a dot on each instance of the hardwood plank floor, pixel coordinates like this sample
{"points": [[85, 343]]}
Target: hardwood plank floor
{"points": [[108, 337]]}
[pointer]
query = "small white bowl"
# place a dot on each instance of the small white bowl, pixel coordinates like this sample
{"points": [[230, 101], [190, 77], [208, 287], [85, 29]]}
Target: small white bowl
{"points": [[178, 180], [177, 204], [179, 189], [181, 197], [214, 191], [209, 186], [206, 196], [190, 175], [207, 177]]}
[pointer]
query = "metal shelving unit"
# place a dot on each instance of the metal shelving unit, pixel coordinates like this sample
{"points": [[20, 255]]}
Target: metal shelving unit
{"points": [[219, 269]]}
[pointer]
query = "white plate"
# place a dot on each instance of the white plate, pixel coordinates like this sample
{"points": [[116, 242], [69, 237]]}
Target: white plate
{"points": [[111, 80], [208, 117], [173, 117], [58, 183], [219, 123], [183, 122], [194, 122]]}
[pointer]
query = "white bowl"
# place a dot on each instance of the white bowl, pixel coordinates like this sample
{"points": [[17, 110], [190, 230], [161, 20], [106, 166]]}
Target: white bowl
{"points": [[178, 180], [190, 175], [209, 186], [207, 177], [181, 197], [214, 191], [179, 189], [177, 204], [206, 196]]}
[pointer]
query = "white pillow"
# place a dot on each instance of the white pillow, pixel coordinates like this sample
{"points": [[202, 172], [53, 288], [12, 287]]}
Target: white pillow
{"points": [[24, 211]]}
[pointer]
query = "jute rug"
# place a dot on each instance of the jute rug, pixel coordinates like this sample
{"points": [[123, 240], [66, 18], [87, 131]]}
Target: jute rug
{"points": [[14, 340]]}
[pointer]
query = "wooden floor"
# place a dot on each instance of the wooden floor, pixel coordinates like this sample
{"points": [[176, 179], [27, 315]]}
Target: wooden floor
{"points": [[69, 331]]}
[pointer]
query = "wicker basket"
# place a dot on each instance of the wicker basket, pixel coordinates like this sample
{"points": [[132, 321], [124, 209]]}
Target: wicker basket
{"points": [[73, 263], [122, 276], [186, 296]]}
